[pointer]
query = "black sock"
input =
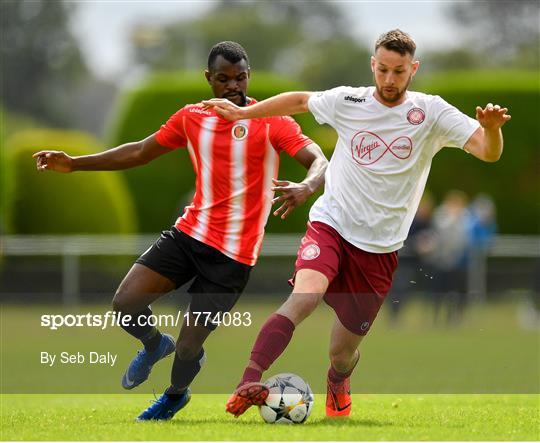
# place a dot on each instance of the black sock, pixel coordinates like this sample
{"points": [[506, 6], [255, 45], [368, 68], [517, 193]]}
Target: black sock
{"points": [[182, 374], [149, 335], [174, 394], [152, 343]]}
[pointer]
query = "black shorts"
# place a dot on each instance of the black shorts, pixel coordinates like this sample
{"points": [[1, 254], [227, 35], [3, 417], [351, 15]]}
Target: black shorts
{"points": [[218, 280]]}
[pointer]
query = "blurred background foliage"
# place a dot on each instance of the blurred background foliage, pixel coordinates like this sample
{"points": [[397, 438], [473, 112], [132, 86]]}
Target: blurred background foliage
{"points": [[64, 203], [513, 182], [46, 83], [44, 75]]}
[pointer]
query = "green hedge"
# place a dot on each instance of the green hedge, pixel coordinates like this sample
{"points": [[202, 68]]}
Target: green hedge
{"points": [[6, 182], [162, 188], [11, 124], [513, 181], [52, 203]]}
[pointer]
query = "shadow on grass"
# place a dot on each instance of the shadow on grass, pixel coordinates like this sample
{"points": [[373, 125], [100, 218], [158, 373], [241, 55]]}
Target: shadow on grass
{"points": [[347, 422], [321, 423]]}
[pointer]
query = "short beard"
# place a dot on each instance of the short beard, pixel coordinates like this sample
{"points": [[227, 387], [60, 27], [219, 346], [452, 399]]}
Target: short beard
{"points": [[242, 98], [395, 98], [243, 101]]}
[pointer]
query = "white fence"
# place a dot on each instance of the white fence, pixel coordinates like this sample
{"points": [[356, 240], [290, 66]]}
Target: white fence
{"points": [[72, 247]]}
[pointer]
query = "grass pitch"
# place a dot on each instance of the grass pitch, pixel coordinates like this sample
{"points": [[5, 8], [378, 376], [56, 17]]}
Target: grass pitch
{"points": [[417, 381], [374, 417]]}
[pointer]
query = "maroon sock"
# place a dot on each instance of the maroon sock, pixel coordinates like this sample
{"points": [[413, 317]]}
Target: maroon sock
{"points": [[272, 340], [336, 377]]}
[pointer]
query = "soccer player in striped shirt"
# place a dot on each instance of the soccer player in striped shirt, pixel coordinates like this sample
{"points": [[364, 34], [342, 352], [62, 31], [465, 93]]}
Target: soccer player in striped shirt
{"points": [[217, 240], [387, 138]]}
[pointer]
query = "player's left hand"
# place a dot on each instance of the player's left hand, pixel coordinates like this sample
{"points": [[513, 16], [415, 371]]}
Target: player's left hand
{"points": [[224, 108], [292, 195], [492, 117]]}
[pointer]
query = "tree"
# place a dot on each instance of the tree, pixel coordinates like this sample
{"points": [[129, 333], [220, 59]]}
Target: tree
{"points": [[504, 31], [41, 60], [310, 40]]}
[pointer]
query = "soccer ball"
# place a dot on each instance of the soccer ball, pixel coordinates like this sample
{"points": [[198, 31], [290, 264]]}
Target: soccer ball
{"points": [[290, 400]]}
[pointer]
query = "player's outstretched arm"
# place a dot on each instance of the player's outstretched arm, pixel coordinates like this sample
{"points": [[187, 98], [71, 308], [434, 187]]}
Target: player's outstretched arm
{"points": [[125, 156], [288, 103], [487, 141], [295, 194]]}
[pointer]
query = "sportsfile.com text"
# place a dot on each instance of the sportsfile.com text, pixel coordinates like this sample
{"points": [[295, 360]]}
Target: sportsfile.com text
{"points": [[112, 319]]}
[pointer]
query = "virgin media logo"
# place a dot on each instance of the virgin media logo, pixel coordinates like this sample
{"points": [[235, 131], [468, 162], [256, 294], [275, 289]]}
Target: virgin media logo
{"points": [[368, 148]]}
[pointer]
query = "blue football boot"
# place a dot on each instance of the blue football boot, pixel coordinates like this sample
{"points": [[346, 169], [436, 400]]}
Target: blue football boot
{"points": [[140, 367], [164, 408]]}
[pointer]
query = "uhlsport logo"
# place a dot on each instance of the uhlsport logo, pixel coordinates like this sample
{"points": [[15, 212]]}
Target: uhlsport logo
{"points": [[350, 98], [368, 148], [415, 116], [239, 131], [310, 252]]}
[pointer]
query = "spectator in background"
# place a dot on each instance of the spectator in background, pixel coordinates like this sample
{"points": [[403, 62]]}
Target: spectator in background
{"points": [[482, 228], [447, 255], [412, 271], [483, 225], [529, 309]]}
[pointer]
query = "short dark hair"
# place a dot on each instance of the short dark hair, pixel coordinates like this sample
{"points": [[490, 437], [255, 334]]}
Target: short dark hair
{"points": [[396, 40], [231, 51]]}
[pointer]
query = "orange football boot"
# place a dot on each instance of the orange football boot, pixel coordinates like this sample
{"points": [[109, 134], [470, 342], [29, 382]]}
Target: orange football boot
{"points": [[338, 399], [250, 394]]}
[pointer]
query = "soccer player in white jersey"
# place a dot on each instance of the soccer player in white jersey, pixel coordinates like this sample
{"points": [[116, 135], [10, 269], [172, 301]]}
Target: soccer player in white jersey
{"points": [[387, 138]]}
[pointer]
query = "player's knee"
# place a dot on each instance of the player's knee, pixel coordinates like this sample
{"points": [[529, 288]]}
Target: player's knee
{"points": [[299, 306], [305, 303], [126, 303], [119, 302]]}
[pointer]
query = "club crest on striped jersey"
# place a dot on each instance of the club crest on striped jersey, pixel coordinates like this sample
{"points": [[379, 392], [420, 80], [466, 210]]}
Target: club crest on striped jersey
{"points": [[239, 131], [310, 252]]}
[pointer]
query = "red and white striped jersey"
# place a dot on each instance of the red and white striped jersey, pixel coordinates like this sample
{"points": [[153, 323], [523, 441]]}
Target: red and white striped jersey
{"points": [[234, 163]]}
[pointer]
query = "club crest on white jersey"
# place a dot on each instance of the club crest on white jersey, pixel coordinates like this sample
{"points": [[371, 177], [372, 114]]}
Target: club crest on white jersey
{"points": [[415, 116]]}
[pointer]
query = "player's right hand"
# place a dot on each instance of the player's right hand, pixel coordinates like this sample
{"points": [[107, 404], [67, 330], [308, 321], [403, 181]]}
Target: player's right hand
{"points": [[224, 108], [57, 161]]}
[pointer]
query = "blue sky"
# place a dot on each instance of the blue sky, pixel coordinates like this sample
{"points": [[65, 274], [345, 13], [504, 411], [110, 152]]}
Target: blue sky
{"points": [[102, 27]]}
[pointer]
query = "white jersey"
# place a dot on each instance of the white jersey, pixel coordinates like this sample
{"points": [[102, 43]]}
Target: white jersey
{"points": [[377, 174]]}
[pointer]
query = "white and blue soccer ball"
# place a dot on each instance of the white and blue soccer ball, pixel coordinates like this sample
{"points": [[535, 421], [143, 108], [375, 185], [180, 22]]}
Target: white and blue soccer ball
{"points": [[290, 400]]}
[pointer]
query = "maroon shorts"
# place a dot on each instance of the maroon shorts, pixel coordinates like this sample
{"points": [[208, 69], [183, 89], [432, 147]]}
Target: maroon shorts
{"points": [[359, 280]]}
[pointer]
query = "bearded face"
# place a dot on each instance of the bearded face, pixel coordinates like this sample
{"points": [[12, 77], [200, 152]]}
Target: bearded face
{"points": [[392, 74]]}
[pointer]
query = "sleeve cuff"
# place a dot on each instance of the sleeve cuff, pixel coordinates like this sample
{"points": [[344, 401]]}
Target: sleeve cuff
{"points": [[313, 112]]}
